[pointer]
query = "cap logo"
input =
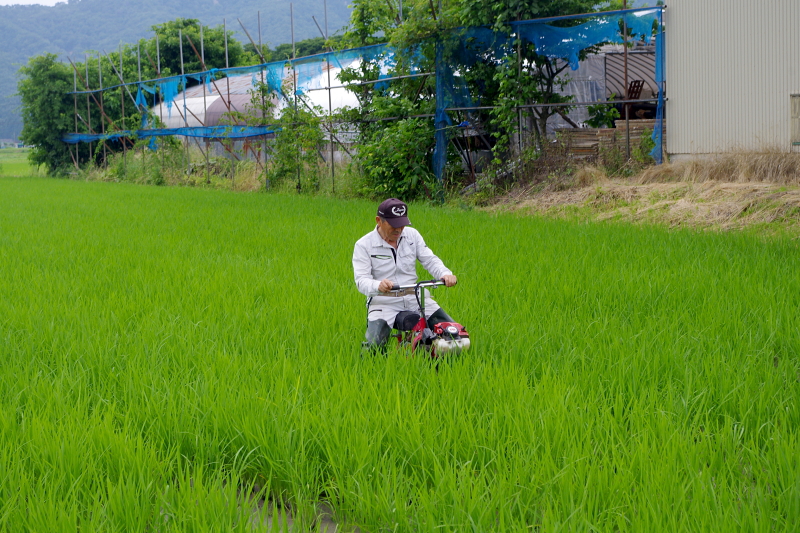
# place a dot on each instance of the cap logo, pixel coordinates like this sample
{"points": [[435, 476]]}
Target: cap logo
{"points": [[399, 210]]}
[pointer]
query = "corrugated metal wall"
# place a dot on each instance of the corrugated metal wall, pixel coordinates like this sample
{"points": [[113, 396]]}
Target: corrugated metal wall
{"points": [[731, 68]]}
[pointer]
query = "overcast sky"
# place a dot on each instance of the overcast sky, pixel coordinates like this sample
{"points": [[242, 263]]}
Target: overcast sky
{"points": [[29, 2], [54, 2]]}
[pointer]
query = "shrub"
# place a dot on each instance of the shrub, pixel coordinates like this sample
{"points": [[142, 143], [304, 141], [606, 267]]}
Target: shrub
{"points": [[602, 115], [391, 160]]}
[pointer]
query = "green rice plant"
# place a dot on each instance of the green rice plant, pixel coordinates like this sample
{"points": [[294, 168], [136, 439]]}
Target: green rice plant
{"points": [[14, 162], [185, 359]]}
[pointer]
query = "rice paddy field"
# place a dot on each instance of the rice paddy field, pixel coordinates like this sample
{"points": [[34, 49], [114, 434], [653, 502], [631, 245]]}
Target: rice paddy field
{"points": [[176, 359], [14, 162]]}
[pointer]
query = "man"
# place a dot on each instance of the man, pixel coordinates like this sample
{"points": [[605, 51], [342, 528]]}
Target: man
{"points": [[386, 257]]}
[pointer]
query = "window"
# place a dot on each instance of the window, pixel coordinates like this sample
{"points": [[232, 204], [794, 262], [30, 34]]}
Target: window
{"points": [[795, 119]]}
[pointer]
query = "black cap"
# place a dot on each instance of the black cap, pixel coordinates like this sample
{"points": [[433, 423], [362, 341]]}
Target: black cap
{"points": [[395, 212]]}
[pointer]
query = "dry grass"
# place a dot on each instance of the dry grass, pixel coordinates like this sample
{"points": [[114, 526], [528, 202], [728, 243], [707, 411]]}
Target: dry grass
{"points": [[706, 205], [248, 180], [745, 167], [722, 192]]}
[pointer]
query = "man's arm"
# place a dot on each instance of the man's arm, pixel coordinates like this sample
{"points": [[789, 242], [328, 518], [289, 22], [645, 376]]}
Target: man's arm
{"points": [[362, 269]]}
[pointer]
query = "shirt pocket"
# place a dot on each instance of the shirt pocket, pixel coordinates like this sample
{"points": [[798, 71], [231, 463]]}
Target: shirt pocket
{"points": [[406, 260], [382, 263]]}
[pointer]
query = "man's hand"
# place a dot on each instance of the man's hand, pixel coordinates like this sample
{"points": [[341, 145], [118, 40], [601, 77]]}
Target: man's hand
{"points": [[449, 280], [386, 285]]}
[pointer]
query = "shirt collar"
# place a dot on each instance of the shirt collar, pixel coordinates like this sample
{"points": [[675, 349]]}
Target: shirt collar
{"points": [[377, 237]]}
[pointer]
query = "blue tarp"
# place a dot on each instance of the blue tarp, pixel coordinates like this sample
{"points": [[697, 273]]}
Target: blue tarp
{"points": [[212, 132]]}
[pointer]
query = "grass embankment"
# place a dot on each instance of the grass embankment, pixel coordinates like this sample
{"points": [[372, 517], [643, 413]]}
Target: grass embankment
{"points": [[733, 191], [167, 352]]}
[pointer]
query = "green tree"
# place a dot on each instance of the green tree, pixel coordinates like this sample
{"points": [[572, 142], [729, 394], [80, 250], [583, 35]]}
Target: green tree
{"points": [[306, 47], [524, 77], [295, 151], [396, 161], [47, 110], [371, 22], [516, 76], [213, 47], [395, 150], [252, 51]]}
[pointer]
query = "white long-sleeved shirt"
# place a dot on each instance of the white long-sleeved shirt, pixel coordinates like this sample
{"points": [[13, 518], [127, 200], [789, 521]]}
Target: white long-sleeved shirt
{"points": [[375, 260]]}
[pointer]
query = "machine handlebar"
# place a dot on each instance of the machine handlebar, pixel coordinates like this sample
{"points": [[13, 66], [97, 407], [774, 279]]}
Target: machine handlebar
{"points": [[428, 283]]}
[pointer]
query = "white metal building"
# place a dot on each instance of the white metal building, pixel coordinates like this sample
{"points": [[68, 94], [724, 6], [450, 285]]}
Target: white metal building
{"points": [[208, 106], [733, 76]]}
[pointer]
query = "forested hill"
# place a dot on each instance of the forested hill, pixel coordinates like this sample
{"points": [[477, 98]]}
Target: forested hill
{"points": [[72, 29]]}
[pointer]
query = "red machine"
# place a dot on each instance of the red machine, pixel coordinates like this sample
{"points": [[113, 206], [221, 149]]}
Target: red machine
{"points": [[442, 338]]}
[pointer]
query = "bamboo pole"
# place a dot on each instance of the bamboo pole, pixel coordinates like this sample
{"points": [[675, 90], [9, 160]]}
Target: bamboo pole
{"points": [[381, 80], [328, 89], [119, 75], [260, 55], [122, 105], [519, 93], [330, 97], [263, 108], [88, 109], [142, 109], [627, 94], [185, 122], [203, 63], [294, 82], [228, 81], [75, 101], [102, 110], [205, 106], [160, 107], [85, 84]]}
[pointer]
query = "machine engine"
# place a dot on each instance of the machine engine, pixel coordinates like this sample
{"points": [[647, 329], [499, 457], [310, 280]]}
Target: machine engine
{"points": [[450, 337]]}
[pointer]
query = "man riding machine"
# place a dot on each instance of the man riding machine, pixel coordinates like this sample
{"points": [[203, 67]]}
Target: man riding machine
{"points": [[384, 265]]}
